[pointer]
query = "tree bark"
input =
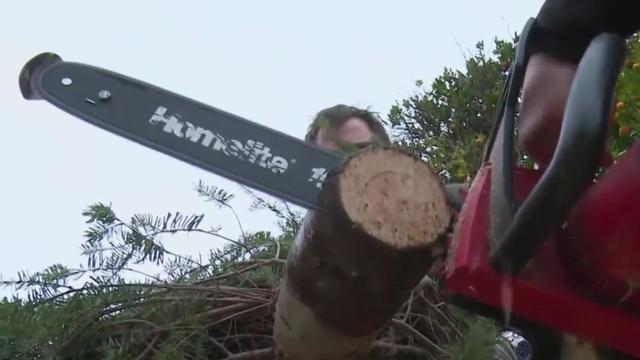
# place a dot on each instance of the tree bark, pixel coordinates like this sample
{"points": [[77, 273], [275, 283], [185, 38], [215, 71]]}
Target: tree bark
{"points": [[382, 222]]}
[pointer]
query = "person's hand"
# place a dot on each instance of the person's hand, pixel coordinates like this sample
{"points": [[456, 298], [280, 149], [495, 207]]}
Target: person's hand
{"points": [[545, 91]]}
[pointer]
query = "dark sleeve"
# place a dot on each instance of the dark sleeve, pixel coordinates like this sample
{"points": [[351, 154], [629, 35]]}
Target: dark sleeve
{"points": [[566, 27]]}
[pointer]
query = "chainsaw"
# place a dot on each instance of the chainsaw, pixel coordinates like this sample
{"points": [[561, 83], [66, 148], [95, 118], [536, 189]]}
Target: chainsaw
{"points": [[553, 251], [510, 256]]}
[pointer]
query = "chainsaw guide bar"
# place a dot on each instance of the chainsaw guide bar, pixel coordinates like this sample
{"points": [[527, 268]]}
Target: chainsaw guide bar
{"points": [[225, 144]]}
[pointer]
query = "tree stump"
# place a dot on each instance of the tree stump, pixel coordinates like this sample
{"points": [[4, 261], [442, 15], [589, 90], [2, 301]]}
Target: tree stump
{"points": [[382, 222]]}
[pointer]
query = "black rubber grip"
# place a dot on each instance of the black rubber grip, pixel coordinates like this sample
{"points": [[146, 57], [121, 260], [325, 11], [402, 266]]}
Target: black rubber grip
{"points": [[575, 161]]}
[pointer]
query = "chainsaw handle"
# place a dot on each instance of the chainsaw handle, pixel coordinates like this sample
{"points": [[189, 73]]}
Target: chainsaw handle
{"points": [[575, 160]]}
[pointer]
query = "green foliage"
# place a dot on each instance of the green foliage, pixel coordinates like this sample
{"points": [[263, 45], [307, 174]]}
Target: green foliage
{"points": [[625, 127], [96, 312], [478, 342], [447, 122]]}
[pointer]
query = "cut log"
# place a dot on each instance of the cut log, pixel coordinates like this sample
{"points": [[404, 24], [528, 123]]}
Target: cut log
{"points": [[382, 222]]}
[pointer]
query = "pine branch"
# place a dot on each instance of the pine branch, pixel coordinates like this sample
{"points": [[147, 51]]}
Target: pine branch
{"points": [[147, 351], [418, 336], [222, 198], [268, 353], [399, 350], [212, 233]]}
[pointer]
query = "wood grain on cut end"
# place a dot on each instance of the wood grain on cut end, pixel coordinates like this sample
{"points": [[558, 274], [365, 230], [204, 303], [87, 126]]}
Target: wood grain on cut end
{"points": [[395, 198]]}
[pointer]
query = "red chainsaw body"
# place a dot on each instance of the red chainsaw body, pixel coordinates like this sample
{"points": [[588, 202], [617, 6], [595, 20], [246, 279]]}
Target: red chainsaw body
{"points": [[546, 292]]}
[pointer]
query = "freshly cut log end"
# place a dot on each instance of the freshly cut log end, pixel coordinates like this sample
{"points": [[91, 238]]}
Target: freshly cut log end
{"points": [[394, 197], [382, 222]]}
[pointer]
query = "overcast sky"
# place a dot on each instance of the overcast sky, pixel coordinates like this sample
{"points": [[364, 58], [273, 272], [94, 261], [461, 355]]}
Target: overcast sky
{"points": [[273, 62]]}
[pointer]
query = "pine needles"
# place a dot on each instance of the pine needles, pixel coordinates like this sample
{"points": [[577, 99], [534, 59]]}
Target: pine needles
{"points": [[217, 307]]}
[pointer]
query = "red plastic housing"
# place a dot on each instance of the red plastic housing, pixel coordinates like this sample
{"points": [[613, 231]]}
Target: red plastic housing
{"points": [[544, 292], [605, 227]]}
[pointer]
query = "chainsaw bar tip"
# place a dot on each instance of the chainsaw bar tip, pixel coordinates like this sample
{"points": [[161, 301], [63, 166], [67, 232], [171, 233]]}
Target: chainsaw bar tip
{"points": [[29, 72]]}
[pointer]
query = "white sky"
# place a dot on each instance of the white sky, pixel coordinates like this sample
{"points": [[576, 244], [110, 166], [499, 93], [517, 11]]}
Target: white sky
{"points": [[274, 62]]}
